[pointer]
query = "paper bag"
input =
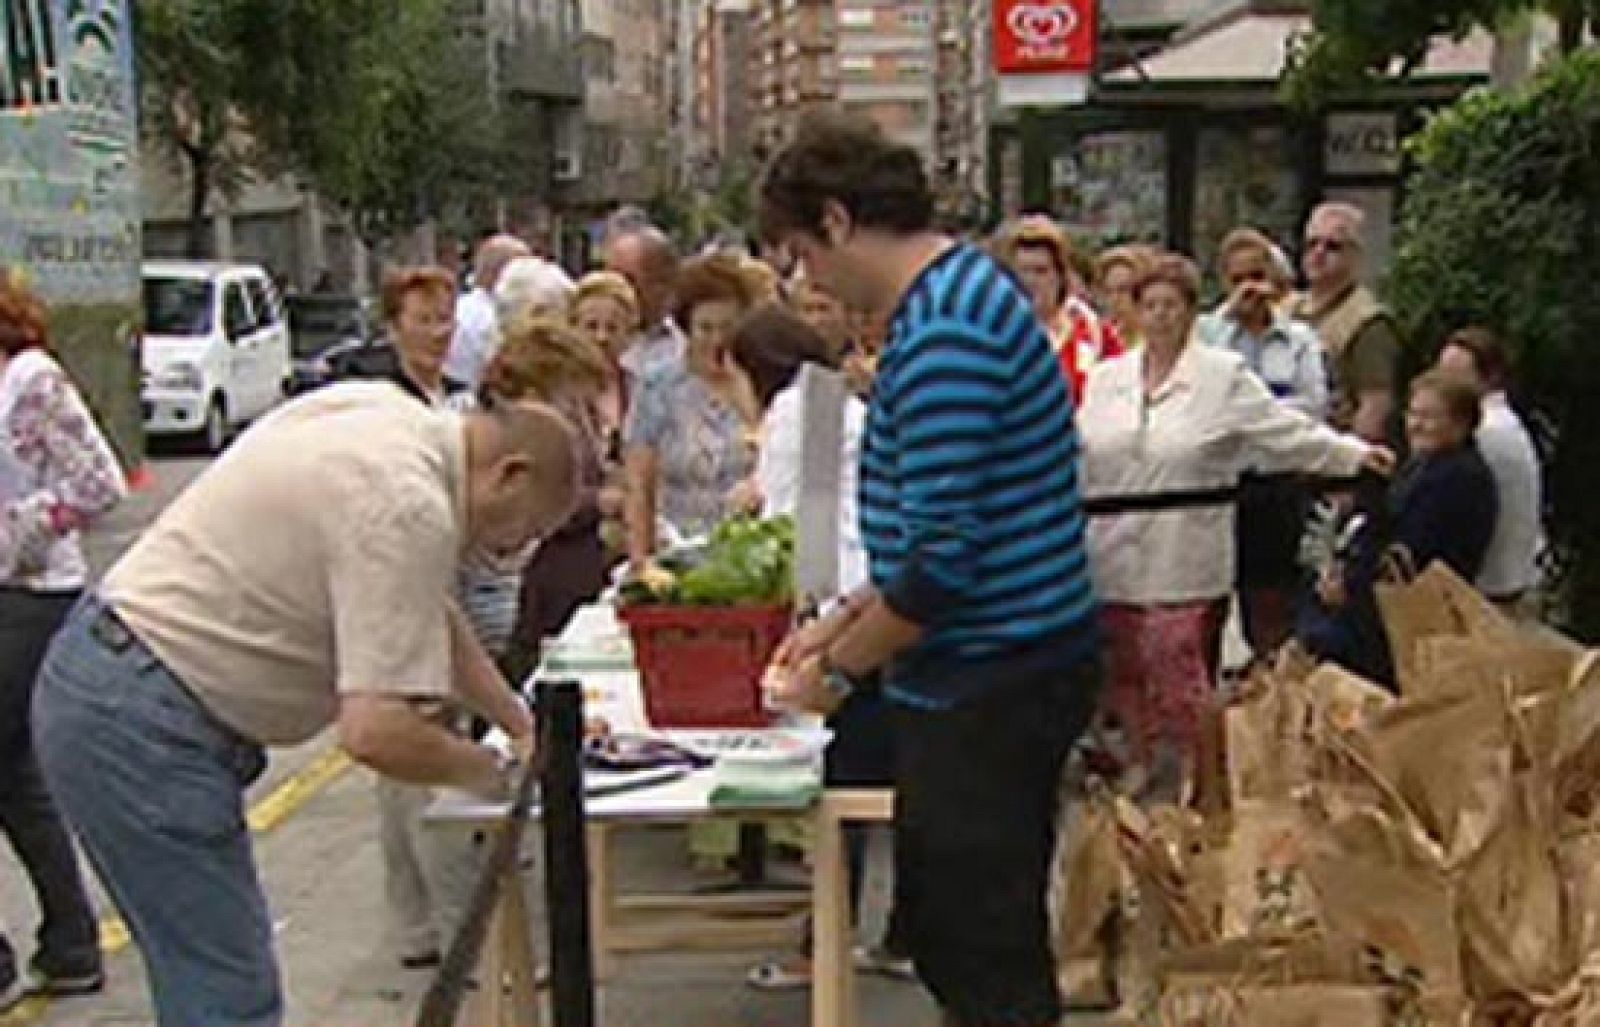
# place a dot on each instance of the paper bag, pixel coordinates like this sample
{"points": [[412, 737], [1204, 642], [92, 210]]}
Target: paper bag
{"points": [[1381, 887], [1203, 1003], [1437, 602], [1088, 891], [1266, 893], [1458, 799], [1579, 858], [1512, 902]]}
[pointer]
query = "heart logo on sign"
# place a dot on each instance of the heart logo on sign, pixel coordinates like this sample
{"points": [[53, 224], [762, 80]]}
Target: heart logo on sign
{"points": [[1043, 24]]}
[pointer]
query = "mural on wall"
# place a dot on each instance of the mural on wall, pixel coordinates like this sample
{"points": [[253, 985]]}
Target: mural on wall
{"points": [[69, 188]]}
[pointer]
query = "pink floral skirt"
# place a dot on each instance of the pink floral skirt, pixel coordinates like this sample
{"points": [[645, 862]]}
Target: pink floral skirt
{"points": [[1161, 666]]}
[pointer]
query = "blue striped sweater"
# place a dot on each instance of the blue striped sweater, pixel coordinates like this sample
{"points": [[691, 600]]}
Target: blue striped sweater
{"points": [[970, 508]]}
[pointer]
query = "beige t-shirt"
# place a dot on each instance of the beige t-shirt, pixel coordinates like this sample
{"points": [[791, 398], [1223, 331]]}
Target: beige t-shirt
{"points": [[314, 558]]}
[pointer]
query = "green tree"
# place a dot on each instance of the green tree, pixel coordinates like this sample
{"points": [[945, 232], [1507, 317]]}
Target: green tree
{"points": [[372, 101], [420, 133], [1355, 43], [1502, 227]]}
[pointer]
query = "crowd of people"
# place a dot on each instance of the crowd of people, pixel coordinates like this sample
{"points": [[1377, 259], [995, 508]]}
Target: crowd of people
{"points": [[1058, 475]]}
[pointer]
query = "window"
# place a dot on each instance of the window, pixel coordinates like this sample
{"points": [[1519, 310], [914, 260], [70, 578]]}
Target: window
{"points": [[30, 71], [856, 18], [856, 63], [267, 313], [236, 319], [177, 306]]}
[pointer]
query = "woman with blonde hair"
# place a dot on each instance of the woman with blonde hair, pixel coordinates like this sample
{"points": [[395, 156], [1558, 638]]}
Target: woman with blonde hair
{"points": [[1116, 271], [605, 311], [1042, 256], [547, 359]]}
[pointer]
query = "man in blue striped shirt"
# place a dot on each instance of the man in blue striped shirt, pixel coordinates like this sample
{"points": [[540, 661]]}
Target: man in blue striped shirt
{"points": [[980, 613]]}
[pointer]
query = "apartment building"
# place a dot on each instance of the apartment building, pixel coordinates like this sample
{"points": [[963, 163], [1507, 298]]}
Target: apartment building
{"points": [[887, 62], [724, 66]]}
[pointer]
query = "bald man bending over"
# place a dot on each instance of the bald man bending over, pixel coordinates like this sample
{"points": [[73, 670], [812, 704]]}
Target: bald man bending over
{"points": [[304, 580], [477, 334]]}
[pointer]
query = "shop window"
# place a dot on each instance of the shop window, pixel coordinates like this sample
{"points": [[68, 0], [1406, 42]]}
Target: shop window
{"points": [[1244, 175], [1112, 186]]}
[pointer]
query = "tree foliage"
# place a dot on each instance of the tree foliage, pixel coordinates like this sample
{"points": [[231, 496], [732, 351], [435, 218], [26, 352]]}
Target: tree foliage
{"points": [[371, 101], [1354, 43], [1502, 227]]}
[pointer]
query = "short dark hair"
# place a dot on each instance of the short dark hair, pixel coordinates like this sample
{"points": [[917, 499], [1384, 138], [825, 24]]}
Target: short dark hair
{"points": [[848, 159], [772, 344], [1489, 356], [1462, 398]]}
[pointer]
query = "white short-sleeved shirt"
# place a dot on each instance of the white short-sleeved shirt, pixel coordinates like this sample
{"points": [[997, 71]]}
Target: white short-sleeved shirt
{"points": [[315, 558], [778, 472], [1509, 566]]}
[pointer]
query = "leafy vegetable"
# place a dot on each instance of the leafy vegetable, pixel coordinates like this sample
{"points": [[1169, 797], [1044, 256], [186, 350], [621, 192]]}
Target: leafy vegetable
{"points": [[747, 562]]}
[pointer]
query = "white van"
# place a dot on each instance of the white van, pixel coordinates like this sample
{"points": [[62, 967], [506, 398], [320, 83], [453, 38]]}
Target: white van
{"points": [[216, 349]]}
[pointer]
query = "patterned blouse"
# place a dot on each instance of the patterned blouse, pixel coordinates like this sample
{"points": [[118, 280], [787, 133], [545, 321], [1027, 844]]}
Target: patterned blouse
{"points": [[699, 443], [57, 473]]}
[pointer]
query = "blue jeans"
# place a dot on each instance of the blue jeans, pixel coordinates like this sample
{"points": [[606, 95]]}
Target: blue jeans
{"points": [[153, 785]]}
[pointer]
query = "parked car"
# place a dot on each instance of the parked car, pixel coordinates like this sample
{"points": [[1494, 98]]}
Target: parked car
{"points": [[325, 327], [216, 349]]}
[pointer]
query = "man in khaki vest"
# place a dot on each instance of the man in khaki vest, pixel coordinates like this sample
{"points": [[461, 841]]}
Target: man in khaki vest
{"points": [[1358, 333]]}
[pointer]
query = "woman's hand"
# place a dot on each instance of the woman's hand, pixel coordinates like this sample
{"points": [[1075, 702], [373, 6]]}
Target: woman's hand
{"points": [[746, 498], [1380, 460], [730, 382]]}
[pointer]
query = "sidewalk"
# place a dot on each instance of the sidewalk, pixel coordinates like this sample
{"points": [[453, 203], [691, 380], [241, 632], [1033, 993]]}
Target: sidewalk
{"points": [[321, 870]]}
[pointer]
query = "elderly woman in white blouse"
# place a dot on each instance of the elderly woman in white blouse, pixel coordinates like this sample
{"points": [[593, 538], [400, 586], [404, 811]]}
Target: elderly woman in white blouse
{"points": [[1167, 431]]}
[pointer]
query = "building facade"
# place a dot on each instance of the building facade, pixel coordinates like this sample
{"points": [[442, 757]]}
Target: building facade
{"points": [[887, 64], [724, 37], [794, 66], [623, 155]]}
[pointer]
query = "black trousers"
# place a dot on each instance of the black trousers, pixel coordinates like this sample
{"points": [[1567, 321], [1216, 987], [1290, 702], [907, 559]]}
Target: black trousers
{"points": [[68, 938], [975, 824]]}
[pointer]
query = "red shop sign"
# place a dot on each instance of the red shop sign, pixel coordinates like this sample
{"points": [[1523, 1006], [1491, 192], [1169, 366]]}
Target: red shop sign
{"points": [[1047, 36]]}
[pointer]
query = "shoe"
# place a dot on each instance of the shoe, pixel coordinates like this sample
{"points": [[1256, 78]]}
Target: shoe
{"points": [[879, 960], [787, 974], [63, 985], [13, 993], [421, 960]]}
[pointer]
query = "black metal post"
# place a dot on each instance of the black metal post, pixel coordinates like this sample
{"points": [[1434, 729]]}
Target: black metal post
{"points": [[566, 856]]}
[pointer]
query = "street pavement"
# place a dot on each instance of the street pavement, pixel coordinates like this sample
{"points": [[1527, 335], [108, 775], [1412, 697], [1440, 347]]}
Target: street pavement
{"points": [[321, 868]]}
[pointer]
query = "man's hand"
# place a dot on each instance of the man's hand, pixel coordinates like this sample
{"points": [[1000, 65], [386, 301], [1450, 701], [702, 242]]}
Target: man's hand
{"points": [[814, 638], [800, 689]]}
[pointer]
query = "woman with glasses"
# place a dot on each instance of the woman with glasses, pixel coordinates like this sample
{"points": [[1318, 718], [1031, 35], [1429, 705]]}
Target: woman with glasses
{"points": [[1441, 506]]}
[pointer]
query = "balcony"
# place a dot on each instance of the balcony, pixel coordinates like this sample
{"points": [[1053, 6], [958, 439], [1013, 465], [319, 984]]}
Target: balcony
{"points": [[540, 63]]}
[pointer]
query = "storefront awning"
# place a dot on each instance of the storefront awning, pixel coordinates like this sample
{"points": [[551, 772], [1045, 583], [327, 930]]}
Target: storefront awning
{"points": [[1244, 48]]}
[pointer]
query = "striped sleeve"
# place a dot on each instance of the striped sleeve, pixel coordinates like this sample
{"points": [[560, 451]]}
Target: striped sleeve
{"points": [[950, 392]]}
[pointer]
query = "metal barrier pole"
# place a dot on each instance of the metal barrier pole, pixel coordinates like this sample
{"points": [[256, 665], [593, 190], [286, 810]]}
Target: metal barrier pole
{"points": [[566, 855]]}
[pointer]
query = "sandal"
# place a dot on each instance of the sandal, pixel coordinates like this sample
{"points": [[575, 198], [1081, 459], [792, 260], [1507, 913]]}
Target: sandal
{"points": [[788, 974]]}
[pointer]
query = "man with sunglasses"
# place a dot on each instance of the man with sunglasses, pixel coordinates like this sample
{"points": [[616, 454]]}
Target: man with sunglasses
{"points": [[1358, 333]]}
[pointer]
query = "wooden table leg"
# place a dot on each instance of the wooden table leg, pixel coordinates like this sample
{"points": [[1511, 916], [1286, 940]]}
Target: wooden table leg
{"points": [[507, 992], [832, 975], [602, 901]]}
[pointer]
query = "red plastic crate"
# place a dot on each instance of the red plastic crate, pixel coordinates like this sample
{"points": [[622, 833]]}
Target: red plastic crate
{"points": [[701, 666]]}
